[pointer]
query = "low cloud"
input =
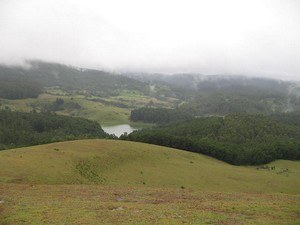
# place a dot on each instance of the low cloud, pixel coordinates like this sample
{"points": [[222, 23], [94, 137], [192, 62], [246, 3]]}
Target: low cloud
{"points": [[258, 37]]}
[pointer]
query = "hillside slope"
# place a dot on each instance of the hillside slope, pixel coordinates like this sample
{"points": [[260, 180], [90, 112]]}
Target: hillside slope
{"points": [[122, 163], [17, 82], [220, 95]]}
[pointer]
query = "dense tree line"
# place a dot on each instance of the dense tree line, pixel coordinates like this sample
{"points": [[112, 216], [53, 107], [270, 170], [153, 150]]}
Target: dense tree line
{"points": [[159, 115], [60, 104], [250, 100], [291, 118], [14, 84], [236, 138], [25, 129]]}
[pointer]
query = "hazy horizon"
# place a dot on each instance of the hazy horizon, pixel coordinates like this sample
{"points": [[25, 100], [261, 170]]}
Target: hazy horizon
{"points": [[251, 38]]}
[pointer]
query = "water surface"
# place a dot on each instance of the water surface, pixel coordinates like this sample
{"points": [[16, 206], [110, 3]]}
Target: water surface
{"points": [[118, 130]]}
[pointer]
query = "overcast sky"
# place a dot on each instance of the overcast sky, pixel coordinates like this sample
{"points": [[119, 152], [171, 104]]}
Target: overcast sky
{"points": [[250, 37]]}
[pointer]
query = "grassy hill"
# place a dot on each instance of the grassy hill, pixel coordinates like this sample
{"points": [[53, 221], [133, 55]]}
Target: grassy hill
{"points": [[120, 182], [120, 163]]}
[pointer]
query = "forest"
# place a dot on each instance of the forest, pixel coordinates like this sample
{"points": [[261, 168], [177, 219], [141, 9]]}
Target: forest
{"points": [[159, 115], [239, 138], [19, 129]]}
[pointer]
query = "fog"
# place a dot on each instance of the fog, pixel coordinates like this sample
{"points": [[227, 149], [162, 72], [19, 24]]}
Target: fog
{"points": [[253, 37]]}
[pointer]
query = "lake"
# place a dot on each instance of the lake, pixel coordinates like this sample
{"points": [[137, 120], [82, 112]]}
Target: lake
{"points": [[118, 130]]}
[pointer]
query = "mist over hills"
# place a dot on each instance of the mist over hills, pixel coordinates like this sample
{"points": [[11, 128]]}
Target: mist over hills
{"points": [[202, 82], [38, 75], [222, 94], [203, 95]]}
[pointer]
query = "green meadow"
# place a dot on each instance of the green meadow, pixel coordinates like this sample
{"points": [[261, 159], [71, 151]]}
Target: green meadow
{"points": [[111, 182], [107, 111]]}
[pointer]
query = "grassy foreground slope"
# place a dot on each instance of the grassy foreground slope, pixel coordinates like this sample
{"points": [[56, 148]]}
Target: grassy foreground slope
{"points": [[120, 163], [90, 204], [135, 183]]}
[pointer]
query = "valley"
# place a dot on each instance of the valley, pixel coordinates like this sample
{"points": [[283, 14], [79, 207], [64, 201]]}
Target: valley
{"points": [[149, 112], [197, 149], [106, 111]]}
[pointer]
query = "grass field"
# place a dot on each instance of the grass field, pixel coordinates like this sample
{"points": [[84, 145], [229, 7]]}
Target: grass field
{"points": [[119, 163], [118, 182], [105, 115], [90, 204], [103, 110]]}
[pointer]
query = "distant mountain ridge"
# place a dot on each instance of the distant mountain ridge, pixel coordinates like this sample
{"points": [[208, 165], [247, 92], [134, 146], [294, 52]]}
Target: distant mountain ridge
{"points": [[197, 81], [18, 82], [220, 95], [202, 95]]}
